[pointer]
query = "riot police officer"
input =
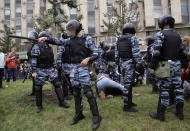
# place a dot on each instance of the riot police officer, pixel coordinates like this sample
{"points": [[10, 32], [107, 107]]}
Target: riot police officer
{"points": [[148, 56], [101, 61], [82, 51], [127, 51], [64, 68], [32, 35], [169, 50], [43, 70]]}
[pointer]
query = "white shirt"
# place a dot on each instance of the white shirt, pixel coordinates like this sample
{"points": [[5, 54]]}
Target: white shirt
{"points": [[2, 60]]}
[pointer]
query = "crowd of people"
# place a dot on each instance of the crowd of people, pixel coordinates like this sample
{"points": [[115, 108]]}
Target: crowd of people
{"points": [[12, 68], [117, 67]]}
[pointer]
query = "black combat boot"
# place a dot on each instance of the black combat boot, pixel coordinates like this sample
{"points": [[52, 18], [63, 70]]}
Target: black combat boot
{"points": [[179, 110], [93, 107], [128, 108], [78, 107], [66, 92], [160, 114], [38, 94], [131, 98], [155, 89], [60, 97], [33, 89]]}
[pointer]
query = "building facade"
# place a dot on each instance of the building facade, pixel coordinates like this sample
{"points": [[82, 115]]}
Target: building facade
{"points": [[19, 14]]}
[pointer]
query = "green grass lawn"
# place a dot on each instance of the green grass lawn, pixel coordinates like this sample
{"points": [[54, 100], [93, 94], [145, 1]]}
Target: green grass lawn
{"points": [[18, 113]]}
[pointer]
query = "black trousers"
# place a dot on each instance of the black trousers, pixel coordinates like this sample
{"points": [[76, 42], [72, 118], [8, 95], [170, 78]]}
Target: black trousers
{"points": [[1, 76]]}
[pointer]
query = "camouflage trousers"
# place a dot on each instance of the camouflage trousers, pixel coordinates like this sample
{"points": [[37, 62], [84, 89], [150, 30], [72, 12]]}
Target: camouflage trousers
{"points": [[174, 81], [43, 75], [127, 70], [80, 76]]}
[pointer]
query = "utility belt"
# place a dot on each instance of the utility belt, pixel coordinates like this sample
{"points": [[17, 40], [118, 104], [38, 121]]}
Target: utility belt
{"points": [[126, 59], [44, 66]]}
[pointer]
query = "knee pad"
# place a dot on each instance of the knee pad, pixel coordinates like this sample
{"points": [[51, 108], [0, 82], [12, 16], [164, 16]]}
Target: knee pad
{"points": [[76, 91], [89, 94], [56, 83], [179, 93], [38, 88]]}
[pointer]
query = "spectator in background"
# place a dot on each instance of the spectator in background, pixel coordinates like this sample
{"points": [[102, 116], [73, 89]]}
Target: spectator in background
{"points": [[186, 42], [12, 66], [186, 84], [2, 64], [25, 69], [21, 71], [5, 70]]}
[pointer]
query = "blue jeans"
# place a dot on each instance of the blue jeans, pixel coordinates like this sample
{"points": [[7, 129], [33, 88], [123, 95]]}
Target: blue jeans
{"points": [[147, 76], [108, 83], [5, 74], [11, 73]]}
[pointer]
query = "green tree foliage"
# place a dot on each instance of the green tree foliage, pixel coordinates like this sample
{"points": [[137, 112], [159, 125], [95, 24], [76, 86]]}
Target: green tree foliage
{"points": [[121, 13], [55, 16], [5, 41]]}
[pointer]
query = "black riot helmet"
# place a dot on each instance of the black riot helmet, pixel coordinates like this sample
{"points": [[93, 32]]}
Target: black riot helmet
{"points": [[129, 28], [73, 26], [103, 44], [45, 34], [166, 20], [65, 35], [150, 40], [33, 35]]}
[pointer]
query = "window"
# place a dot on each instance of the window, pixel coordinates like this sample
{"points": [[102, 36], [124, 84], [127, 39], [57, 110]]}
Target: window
{"points": [[42, 7], [91, 24], [30, 7], [90, 5], [7, 22], [184, 11], [18, 23], [169, 7], [18, 33], [7, 3], [18, 9], [29, 29], [29, 19], [91, 17], [7, 12], [110, 3], [18, 3], [157, 8], [133, 11]]}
